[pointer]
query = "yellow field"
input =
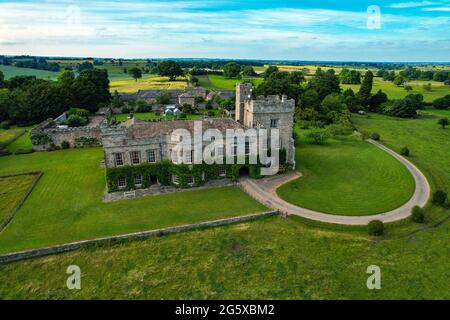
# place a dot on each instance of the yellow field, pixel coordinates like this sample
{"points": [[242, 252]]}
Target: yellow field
{"points": [[147, 83]]}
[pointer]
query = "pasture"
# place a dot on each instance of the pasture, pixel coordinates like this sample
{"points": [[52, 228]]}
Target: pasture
{"points": [[66, 204], [347, 176], [217, 82], [11, 71], [146, 83]]}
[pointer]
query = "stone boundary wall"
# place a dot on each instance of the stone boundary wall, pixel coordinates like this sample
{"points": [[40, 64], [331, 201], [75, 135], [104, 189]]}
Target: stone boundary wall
{"points": [[17, 256], [8, 219]]}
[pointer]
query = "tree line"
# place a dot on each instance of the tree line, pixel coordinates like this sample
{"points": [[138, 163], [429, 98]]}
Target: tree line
{"points": [[25, 100]]}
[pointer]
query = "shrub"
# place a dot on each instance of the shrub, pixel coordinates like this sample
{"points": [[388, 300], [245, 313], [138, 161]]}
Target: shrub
{"points": [[318, 136], [5, 125], [76, 121], [375, 136], [143, 106], [418, 214], [440, 197], [340, 130], [79, 112], [375, 228], [125, 110], [182, 116], [65, 145], [364, 134], [404, 152]]}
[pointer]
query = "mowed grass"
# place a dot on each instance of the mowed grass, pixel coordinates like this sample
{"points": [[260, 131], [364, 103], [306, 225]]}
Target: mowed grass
{"points": [[218, 82], [429, 144], [146, 83], [66, 205], [11, 71], [348, 177], [21, 143], [9, 134], [438, 89], [12, 190], [273, 258]]}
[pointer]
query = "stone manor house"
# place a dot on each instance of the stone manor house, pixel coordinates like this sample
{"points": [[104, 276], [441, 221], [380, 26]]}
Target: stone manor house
{"points": [[135, 142]]}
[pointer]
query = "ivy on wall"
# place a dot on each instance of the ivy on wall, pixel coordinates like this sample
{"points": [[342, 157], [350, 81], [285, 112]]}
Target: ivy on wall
{"points": [[164, 170]]}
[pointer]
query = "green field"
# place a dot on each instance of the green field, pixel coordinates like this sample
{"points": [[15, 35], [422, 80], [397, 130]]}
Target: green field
{"points": [[6, 136], [11, 71], [273, 258], [12, 190], [66, 205], [348, 176], [438, 89], [217, 82], [146, 83], [268, 259], [20, 144]]}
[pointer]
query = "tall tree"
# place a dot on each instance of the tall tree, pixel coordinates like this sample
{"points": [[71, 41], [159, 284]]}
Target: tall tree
{"points": [[324, 83], [136, 73], [232, 70], [2, 80], [365, 91], [170, 69]]}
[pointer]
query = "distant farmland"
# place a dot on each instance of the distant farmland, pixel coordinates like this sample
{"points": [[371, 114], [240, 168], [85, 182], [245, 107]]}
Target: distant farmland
{"points": [[11, 71]]}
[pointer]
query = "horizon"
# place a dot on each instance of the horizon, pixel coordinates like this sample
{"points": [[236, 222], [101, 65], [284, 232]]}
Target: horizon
{"points": [[316, 31]]}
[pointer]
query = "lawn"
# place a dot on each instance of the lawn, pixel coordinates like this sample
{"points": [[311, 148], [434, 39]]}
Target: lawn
{"points": [[217, 82], [6, 136], [347, 176], [11, 71], [438, 89], [22, 143], [146, 83], [12, 190], [66, 205], [428, 142], [272, 258]]}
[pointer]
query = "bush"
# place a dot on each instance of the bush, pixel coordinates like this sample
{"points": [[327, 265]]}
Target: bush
{"points": [[318, 136], [78, 112], [125, 110], [440, 197], [5, 125], [143, 106], [76, 121], [375, 228], [375, 136], [65, 145], [340, 130], [404, 152], [418, 214], [364, 134]]}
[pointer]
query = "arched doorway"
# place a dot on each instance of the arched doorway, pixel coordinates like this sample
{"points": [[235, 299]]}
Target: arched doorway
{"points": [[244, 172]]}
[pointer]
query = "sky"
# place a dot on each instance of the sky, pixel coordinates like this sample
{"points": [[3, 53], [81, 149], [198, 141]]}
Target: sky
{"points": [[319, 30]]}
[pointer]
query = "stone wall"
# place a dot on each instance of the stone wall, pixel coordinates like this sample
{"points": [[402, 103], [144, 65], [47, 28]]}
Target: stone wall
{"points": [[17, 256]]}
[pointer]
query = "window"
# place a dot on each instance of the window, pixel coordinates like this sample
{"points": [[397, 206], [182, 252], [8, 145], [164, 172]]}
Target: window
{"points": [[189, 157], [247, 147], [135, 157], [220, 151], [151, 156], [175, 179], [138, 181], [118, 159], [190, 180], [122, 183], [222, 172], [274, 123]]}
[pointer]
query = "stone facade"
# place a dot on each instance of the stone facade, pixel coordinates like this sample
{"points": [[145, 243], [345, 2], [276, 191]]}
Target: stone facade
{"points": [[267, 112]]}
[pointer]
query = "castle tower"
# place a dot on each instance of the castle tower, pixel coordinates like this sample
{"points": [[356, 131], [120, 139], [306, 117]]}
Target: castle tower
{"points": [[243, 94]]}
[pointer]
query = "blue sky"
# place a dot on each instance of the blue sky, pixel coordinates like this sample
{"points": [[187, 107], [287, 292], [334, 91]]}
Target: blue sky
{"points": [[298, 30]]}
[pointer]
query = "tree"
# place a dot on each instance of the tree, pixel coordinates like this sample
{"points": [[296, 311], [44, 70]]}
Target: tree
{"points": [[85, 66], [324, 83], [407, 107], [5, 103], [365, 91], [66, 78], [440, 197], [398, 81], [2, 80], [116, 102], [442, 103], [171, 69], [377, 100], [310, 99], [91, 89], [136, 73], [232, 70], [269, 71], [248, 71], [443, 122], [331, 107], [350, 76]]}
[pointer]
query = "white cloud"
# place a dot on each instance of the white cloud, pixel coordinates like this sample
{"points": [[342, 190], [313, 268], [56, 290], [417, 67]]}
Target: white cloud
{"points": [[413, 4], [437, 9]]}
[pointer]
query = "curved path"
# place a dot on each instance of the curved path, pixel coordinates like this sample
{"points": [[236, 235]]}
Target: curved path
{"points": [[264, 191]]}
